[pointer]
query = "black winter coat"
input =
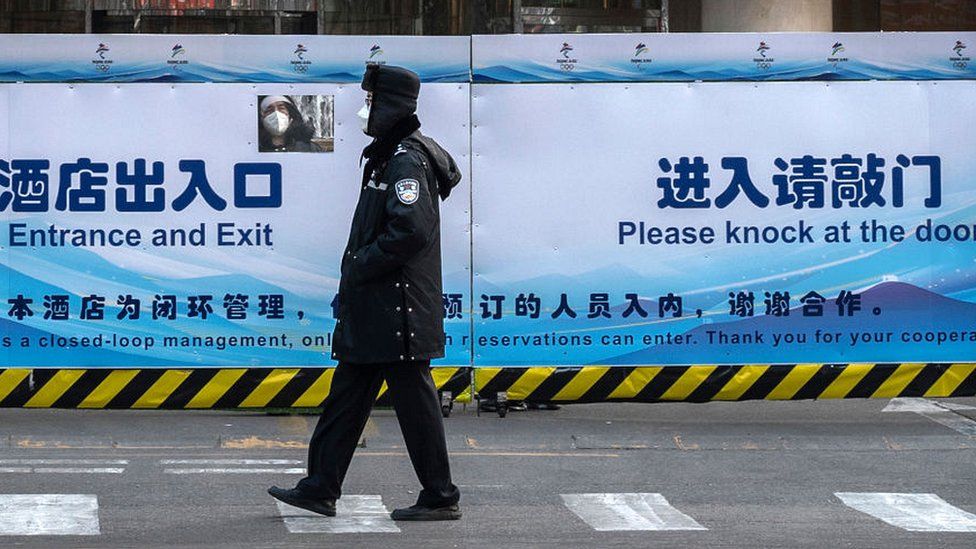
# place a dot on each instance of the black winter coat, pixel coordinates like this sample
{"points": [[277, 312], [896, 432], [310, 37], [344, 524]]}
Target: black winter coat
{"points": [[390, 305]]}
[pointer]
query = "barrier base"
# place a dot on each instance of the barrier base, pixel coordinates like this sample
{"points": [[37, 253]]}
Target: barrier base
{"points": [[188, 388], [251, 388], [702, 383]]}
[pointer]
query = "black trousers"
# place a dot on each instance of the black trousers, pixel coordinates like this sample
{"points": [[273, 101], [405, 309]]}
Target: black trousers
{"points": [[346, 410]]}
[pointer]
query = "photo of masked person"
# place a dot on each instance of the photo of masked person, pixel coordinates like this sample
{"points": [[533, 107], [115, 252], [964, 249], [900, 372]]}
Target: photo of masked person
{"points": [[283, 128]]}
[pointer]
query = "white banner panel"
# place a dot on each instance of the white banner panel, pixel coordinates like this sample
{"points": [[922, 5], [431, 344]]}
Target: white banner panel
{"points": [[628, 57], [146, 226], [724, 223]]}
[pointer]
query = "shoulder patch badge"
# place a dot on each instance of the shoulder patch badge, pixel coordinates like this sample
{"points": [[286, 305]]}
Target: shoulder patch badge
{"points": [[408, 190]]}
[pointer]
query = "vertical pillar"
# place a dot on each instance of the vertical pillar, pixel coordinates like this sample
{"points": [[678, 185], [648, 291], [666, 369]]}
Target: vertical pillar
{"points": [[277, 17]]}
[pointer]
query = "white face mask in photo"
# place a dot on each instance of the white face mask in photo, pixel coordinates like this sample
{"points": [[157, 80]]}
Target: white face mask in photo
{"points": [[276, 123], [363, 115]]}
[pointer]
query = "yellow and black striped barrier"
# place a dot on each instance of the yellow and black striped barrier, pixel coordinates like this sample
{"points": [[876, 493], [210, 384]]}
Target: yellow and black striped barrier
{"points": [[187, 389], [307, 387], [701, 383]]}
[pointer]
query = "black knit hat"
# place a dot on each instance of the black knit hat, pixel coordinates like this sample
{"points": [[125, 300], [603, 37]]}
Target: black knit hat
{"points": [[395, 91]]}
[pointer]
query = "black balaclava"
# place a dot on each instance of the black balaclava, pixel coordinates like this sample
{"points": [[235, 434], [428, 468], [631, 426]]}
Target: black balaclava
{"points": [[391, 115], [395, 91]]}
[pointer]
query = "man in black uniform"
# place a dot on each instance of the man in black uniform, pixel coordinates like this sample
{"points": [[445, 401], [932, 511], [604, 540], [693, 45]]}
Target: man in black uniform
{"points": [[390, 311]]}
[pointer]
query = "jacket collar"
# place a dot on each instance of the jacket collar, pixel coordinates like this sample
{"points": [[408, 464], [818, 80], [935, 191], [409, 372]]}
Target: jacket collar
{"points": [[382, 148]]}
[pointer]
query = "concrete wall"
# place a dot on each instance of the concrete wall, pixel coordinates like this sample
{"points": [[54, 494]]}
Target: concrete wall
{"points": [[766, 15]]}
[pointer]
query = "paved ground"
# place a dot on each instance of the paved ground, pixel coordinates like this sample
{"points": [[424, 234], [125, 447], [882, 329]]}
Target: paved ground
{"points": [[753, 474]]}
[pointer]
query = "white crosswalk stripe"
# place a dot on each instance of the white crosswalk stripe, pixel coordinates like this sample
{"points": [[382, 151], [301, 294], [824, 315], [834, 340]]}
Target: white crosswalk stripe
{"points": [[48, 515], [913, 512], [628, 511], [942, 412], [235, 471], [69, 466], [245, 466], [354, 514], [230, 461]]}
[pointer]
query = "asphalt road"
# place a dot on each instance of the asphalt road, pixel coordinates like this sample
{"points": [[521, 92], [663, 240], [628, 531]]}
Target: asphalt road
{"points": [[751, 474]]}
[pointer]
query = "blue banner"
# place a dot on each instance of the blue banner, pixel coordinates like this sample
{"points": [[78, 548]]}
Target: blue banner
{"points": [[688, 57], [240, 58]]}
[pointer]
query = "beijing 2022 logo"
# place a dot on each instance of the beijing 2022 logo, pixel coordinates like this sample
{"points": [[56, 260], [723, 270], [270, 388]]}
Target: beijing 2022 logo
{"points": [[640, 55], [299, 64], [834, 58], [565, 62], [102, 63], [763, 62], [177, 56], [959, 61], [375, 56]]}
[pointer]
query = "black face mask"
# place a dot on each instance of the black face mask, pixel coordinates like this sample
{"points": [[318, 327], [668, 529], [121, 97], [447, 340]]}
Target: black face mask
{"points": [[395, 92], [382, 148]]}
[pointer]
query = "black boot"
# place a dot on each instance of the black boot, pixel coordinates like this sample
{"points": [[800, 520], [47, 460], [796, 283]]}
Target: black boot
{"points": [[418, 512], [297, 498]]}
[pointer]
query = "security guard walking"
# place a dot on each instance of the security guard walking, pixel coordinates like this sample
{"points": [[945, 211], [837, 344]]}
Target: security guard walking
{"points": [[390, 310]]}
